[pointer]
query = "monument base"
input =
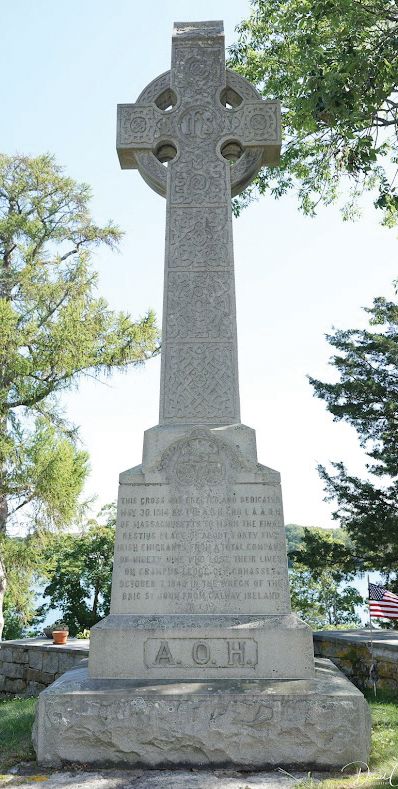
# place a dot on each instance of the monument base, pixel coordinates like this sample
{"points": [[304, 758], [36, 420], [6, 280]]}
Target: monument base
{"points": [[322, 722], [201, 647]]}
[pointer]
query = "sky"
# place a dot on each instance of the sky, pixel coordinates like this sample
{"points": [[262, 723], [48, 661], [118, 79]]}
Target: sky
{"points": [[63, 69]]}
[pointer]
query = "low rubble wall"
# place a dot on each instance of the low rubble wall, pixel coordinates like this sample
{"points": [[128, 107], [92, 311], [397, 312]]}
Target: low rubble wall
{"points": [[29, 665], [351, 651]]}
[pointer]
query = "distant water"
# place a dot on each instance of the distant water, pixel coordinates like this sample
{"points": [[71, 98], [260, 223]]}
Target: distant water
{"points": [[360, 582]]}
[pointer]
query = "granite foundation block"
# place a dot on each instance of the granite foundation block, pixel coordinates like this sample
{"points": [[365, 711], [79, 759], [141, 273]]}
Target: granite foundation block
{"points": [[322, 722]]}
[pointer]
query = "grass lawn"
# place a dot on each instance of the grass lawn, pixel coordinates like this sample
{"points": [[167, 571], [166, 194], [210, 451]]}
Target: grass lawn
{"points": [[16, 720], [383, 762]]}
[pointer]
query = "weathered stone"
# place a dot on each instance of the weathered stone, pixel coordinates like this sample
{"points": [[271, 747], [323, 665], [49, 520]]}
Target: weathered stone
{"points": [[36, 659], [178, 647], [67, 662], [20, 655], [200, 527], [14, 670], [5, 654], [34, 688], [33, 675], [14, 685], [200, 587], [50, 662], [226, 722]]}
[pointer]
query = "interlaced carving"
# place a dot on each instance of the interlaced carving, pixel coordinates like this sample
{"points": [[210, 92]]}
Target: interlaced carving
{"points": [[200, 382], [199, 306], [190, 116], [200, 238]]}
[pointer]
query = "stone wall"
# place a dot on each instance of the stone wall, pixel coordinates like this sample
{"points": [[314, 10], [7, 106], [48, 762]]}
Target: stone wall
{"points": [[351, 652], [28, 666]]}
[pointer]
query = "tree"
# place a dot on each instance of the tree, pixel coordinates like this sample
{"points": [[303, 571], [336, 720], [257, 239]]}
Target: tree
{"points": [[366, 397], [333, 65], [323, 567], [22, 557], [321, 602], [79, 571], [54, 330]]}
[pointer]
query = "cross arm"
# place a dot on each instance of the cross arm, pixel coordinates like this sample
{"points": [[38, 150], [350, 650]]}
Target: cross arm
{"points": [[257, 124], [139, 127]]}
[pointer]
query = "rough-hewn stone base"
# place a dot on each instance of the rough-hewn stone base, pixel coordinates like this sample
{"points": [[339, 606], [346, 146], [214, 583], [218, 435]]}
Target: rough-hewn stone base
{"points": [[322, 722]]}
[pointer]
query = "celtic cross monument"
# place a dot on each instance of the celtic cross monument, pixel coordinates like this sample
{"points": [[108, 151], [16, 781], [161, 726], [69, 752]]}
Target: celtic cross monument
{"points": [[198, 117], [191, 665]]}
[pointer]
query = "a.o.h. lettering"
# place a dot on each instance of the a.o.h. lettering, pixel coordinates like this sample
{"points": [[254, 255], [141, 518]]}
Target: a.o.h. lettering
{"points": [[201, 653]]}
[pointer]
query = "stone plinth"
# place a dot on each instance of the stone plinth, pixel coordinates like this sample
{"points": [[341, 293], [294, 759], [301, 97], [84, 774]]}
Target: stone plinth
{"points": [[200, 583], [322, 722], [201, 647]]}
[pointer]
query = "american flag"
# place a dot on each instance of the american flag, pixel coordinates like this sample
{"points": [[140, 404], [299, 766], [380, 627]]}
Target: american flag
{"points": [[382, 602]]}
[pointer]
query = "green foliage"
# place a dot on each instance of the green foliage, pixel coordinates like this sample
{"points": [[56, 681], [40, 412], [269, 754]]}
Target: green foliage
{"points": [[22, 557], [333, 65], [366, 397], [321, 601], [323, 566], [54, 330], [85, 633], [79, 572], [296, 534]]}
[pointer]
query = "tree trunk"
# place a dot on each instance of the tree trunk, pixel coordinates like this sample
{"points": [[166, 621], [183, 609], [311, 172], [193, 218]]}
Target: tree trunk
{"points": [[3, 585], [3, 575], [95, 601]]}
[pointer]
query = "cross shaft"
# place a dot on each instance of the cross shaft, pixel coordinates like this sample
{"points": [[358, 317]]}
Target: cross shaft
{"points": [[196, 121]]}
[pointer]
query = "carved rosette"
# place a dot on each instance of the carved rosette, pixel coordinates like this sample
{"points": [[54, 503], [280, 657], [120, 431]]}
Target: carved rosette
{"points": [[200, 459]]}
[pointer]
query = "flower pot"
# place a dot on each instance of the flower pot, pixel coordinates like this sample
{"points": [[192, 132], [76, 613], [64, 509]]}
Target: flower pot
{"points": [[60, 636], [48, 631]]}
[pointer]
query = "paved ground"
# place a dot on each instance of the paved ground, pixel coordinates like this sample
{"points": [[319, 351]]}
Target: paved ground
{"points": [[156, 779]]}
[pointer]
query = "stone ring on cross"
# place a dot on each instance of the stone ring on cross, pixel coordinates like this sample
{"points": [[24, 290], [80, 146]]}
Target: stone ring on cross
{"points": [[155, 130]]}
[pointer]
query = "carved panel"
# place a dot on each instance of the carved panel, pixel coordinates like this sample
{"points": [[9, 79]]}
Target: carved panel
{"points": [[200, 237], [153, 90], [199, 306], [199, 180], [141, 126], [197, 69], [258, 122], [200, 381], [199, 122], [199, 459], [136, 125]]}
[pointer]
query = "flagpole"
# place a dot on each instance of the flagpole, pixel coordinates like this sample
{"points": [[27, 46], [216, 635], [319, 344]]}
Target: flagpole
{"points": [[372, 670]]}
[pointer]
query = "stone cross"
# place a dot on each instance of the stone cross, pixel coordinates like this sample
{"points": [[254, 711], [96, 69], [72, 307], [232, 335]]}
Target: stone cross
{"points": [[215, 132]]}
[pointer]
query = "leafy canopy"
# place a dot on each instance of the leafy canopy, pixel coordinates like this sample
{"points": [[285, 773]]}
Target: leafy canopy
{"points": [[333, 64], [78, 568], [366, 397], [54, 330], [323, 566]]}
